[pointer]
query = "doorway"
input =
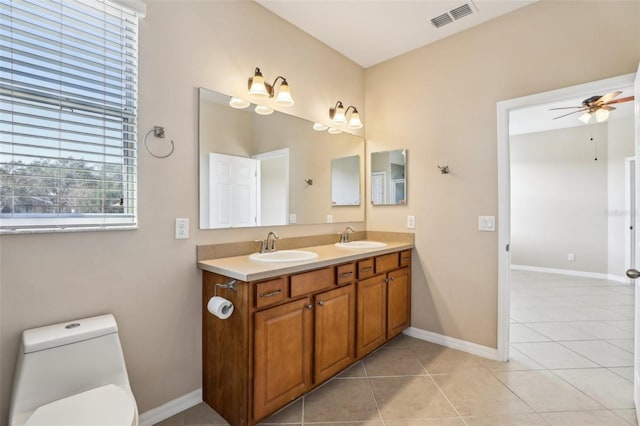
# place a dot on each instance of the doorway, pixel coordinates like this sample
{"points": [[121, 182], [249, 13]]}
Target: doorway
{"points": [[504, 109]]}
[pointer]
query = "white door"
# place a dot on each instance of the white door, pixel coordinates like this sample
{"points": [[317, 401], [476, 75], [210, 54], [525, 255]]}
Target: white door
{"points": [[636, 377], [378, 188], [232, 186]]}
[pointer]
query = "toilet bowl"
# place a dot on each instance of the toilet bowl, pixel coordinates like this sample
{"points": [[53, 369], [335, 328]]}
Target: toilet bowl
{"points": [[72, 374]]}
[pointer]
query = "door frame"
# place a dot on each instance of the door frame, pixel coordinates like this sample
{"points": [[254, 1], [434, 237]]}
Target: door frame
{"points": [[504, 185]]}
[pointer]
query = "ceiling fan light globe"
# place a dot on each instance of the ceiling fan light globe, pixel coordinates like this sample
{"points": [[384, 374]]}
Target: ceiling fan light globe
{"points": [[602, 115], [585, 117]]}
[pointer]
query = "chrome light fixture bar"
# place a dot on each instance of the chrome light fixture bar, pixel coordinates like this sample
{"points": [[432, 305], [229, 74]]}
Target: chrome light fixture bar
{"points": [[338, 116], [259, 89]]}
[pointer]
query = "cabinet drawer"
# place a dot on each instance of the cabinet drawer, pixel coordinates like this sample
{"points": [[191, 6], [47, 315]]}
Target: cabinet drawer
{"points": [[311, 281], [405, 258], [270, 292], [365, 269], [387, 262], [345, 274]]}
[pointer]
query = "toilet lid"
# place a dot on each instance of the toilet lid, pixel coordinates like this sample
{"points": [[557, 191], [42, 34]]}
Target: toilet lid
{"points": [[107, 405]]}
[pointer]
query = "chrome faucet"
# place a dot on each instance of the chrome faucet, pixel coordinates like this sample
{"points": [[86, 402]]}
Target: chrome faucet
{"points": [[345, 236]]}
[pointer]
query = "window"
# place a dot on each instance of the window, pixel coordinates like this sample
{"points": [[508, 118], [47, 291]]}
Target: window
{"points": [[68, 100]]}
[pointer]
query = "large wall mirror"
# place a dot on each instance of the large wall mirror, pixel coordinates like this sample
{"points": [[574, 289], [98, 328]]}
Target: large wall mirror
{"points": [[267, 170], [389, 177]]}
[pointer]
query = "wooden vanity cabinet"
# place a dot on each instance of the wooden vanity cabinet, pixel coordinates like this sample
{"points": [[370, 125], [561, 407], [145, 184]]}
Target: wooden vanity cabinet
{"points": [[289, 334], [335, 326], [283, 349], [384, 300]]}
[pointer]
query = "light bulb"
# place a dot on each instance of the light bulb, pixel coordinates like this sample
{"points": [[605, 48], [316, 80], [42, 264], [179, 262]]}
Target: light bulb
{"points": [[334, 131], [284, 96], [258, 89], [585, 117], [238, 103], [602, 115], [338, 115], [354, 121], [263, 110], [319, 127]]}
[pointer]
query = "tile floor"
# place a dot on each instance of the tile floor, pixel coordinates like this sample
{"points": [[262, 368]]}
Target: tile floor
{"points": [[571, 363]]}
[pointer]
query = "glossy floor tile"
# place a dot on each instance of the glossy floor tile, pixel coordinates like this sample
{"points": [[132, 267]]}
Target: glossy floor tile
{"points": [[571, 363]]}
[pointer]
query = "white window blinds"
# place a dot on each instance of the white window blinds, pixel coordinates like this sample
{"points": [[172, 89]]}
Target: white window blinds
{"points": [[68, 99]]}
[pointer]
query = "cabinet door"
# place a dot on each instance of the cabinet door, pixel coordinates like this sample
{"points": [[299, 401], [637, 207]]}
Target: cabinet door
{"points": [[335, 330], [399, 302], [372, 313], [282, 355]]}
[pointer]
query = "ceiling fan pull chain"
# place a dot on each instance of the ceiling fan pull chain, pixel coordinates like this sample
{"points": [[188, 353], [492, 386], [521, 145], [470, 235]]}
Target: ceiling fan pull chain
{"points": [[595, 146]]}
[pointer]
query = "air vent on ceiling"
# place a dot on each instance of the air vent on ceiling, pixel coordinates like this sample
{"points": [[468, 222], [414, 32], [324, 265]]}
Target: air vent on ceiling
{"points": [[453, 15], [441, 20]]}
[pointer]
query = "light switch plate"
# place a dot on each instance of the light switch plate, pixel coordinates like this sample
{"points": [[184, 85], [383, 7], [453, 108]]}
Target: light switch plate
{"points": [[487, 223], [182, 228], [329, 218], [292, 218], [411, 222]]}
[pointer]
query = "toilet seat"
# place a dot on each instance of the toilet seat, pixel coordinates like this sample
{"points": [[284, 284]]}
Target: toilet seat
{"points": [[107, 405]]}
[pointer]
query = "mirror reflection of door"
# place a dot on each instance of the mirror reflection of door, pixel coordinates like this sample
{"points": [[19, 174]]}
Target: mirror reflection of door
{"points": [[273, 187], [233, 185], [378, 187]]}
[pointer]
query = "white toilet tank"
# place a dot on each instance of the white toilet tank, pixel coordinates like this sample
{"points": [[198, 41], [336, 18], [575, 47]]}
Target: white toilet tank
{"points": [[63, 360]]}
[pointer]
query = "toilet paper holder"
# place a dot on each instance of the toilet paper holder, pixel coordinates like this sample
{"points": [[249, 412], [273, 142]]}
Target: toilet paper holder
{"points": [[231, 284]]}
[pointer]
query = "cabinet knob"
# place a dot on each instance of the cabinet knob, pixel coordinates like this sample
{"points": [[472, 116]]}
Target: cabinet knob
{"points": [[321, 303], [392, 279], [309, 306]]}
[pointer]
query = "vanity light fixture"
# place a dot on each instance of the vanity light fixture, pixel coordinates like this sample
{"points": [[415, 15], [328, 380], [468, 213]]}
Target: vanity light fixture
{"points": [[338, 115], [334, 131], [259, 89], [238, 103], [319, 127]]}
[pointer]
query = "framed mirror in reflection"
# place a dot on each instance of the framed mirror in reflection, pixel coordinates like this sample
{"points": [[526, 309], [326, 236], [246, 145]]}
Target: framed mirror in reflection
{"points": [[389, 177], [269, 170]]}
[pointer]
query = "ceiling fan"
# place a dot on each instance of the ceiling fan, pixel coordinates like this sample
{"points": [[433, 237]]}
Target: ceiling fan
{"points": [[595, 105]]}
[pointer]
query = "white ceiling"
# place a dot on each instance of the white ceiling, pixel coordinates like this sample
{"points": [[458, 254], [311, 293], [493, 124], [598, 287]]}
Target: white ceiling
{"points": [[369, 32], [539, 119]]}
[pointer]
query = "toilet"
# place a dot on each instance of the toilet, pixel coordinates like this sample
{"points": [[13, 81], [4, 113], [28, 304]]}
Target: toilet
{"points": [[72, 374]]}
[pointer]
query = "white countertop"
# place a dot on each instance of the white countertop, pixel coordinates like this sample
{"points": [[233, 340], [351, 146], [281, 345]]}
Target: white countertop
{"points": [[244, 269]]}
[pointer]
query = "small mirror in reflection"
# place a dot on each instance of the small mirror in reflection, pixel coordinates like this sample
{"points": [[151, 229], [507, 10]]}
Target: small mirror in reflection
{"points": [[388, 177]]}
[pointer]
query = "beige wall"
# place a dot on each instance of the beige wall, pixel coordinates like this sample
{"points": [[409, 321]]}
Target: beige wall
{"points": [[439, 102], [559, 198], [145, 277]]}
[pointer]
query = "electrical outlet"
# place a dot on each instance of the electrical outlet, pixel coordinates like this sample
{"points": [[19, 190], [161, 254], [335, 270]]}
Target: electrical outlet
{"points": [[411, 222], [182, 229], [329, 218], [571, 257], [292, 218]]}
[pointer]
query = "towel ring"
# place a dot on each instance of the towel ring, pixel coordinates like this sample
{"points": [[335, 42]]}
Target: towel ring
{"points": [[158, 132]]}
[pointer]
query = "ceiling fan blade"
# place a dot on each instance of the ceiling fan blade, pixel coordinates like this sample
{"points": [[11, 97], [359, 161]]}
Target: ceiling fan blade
{"points": [[607, 107], [609, 97], [619, 101], [552, 109], [573, 112]]}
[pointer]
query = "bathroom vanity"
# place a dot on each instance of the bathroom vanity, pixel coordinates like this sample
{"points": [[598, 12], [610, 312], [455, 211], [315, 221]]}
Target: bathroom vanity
{"points": [[297, 325]]}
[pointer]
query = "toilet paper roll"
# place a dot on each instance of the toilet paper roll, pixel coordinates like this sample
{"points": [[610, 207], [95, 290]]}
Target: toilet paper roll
{"points": [[220, 307]]}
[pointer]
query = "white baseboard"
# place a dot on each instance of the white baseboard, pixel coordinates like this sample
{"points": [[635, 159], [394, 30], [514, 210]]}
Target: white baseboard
{"points": [[585, 274], [453, 343], [168, 409]]}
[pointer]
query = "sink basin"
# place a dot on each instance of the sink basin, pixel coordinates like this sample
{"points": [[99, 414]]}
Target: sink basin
{"points": [[357, 245], [284, 256]]}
